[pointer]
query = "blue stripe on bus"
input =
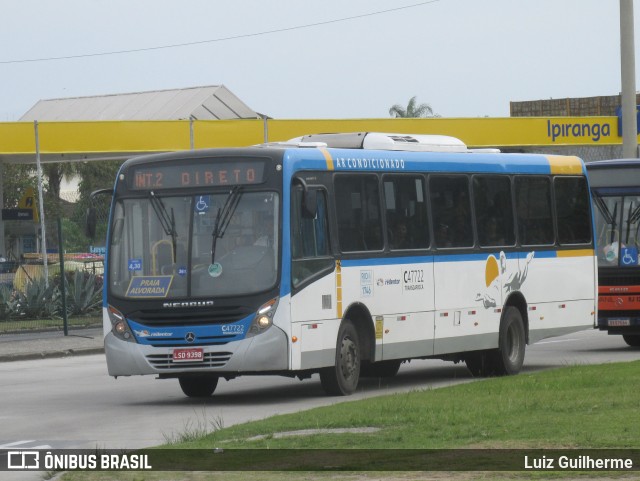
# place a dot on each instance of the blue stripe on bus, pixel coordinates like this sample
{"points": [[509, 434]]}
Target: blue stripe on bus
{"points": [[285, 275], [386, 261], [204, 334], [346, 160]]}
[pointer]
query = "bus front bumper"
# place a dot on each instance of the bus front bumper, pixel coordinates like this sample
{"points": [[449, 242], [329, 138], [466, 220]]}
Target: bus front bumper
{"points": [[266, 352]]}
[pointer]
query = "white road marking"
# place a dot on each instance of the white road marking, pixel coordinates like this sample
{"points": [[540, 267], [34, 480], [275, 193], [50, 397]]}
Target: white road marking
{"points": [[17, 443], [559, 340]]}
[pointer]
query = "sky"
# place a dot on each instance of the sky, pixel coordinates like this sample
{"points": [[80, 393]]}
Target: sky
{"points": [[324, 59]]}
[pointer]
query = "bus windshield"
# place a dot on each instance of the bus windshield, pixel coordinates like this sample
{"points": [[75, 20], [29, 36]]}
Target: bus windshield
{"points": [[190, 246], [618, 227]]}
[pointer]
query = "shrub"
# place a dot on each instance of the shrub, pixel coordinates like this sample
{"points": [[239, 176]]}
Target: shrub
{"points": [[6, 301], [37, 300], [84, 292]]}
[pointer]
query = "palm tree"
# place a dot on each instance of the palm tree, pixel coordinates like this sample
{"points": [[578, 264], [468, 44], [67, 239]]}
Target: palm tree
{"points": [[412, 110]]}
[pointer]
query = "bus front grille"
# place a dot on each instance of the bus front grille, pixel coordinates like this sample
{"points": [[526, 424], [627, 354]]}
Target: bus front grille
{"points": [[163, 317], [211, 359]]}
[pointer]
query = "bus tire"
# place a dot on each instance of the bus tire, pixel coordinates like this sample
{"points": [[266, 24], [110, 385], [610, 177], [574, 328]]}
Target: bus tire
{"points": [[198, 386], [342, 378], [509, 357], [380, 369], [631, 340]]}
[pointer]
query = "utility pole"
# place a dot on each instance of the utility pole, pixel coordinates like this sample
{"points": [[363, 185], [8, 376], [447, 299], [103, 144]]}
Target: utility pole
{"points": [[628, 76]]}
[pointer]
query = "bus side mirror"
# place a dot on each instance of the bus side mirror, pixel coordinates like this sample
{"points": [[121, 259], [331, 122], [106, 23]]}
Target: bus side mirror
{"points": [[310, 203], [91, 220], [309, 199], [90, 223]]}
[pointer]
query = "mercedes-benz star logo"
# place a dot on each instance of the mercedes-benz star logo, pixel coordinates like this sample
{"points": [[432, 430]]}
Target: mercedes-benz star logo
{"points": [[190, 337]]}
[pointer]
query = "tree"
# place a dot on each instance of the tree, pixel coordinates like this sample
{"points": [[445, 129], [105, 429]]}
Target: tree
{"points": [[93, 175], [16, 178], [413, 110], [53, 174]]}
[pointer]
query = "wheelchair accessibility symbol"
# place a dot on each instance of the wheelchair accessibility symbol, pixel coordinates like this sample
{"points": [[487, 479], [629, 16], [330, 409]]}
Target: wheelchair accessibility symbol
{"points": [[629, 256], [202, 204]]}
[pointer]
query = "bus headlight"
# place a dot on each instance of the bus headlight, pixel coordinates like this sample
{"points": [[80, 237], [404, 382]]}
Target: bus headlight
{"points": [[264, 317], [120, 328], [264, 322]]}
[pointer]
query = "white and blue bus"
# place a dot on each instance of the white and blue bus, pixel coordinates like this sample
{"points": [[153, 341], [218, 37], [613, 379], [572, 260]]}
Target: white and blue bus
{"points": [[343, 255]]}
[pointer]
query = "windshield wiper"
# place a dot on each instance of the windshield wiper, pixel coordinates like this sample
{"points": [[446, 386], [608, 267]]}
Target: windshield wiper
{"points": [[632, 218], [223, 217], [168, 222]]}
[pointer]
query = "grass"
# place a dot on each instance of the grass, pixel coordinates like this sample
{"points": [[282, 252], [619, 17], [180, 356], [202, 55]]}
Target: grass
{"points": [[577, 406], [573, 407]]}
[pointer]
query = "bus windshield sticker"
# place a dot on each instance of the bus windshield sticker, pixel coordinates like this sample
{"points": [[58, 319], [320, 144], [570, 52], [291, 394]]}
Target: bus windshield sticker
{"points": [[629, 256], [215, 269], [149, 286], [135, 264], [202, 204]]}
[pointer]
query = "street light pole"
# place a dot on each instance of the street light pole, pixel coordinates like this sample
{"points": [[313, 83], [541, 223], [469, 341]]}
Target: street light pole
{"points": [[628, 76]]}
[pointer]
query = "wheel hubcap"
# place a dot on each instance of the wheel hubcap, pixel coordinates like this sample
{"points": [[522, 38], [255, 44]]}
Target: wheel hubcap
{"points": [[348, 358], [513, 344]]}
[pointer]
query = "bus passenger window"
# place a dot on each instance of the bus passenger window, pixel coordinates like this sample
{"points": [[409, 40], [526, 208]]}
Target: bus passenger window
{"points": [[358, 213], [494, 210], [406, 212], [533, 205], [451, 210], [572, 210]]}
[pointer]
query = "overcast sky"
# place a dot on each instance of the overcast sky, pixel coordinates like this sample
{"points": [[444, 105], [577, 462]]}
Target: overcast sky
{"points": [[466, 58]]}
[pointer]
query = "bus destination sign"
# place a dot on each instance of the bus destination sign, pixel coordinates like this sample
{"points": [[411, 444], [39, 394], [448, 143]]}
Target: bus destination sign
{"points": [[202, 174]]}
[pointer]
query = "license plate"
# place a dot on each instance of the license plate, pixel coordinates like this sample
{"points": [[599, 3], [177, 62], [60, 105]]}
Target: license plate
{"points": [[188, 355], [618, 322]]}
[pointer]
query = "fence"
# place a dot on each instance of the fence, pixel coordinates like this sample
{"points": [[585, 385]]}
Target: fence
{"points": [[56, 291]]}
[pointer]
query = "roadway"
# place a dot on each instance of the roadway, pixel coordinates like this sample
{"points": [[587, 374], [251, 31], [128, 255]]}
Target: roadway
{"points": [[72, 403]]}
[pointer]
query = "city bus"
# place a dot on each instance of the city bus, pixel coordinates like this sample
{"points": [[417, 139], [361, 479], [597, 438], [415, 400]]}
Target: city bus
{"points": [[615, 186], [343, 255]]}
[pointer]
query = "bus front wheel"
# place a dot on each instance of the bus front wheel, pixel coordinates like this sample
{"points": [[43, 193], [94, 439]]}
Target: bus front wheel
{"points": [[198, 386], [342, 378]]}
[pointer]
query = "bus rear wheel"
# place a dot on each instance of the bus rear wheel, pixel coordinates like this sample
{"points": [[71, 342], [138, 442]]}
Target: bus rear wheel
{"points": [[509, 357], [342, 378], [198, 386], [631, 340]]}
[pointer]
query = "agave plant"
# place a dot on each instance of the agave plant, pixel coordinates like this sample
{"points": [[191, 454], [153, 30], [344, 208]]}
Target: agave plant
{"points": [[38, 299], [84, 292], [6, 301]]}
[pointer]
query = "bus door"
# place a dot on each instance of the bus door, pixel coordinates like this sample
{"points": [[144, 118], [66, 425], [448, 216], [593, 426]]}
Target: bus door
{"points": [[404, 282], [315, 299]]}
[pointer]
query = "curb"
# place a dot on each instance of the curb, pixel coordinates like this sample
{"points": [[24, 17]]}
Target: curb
{"points": [[51, 354]]}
